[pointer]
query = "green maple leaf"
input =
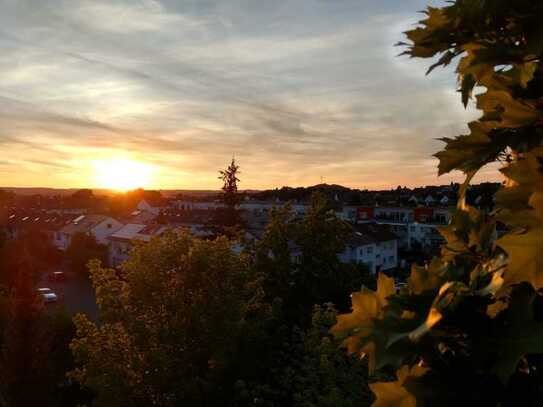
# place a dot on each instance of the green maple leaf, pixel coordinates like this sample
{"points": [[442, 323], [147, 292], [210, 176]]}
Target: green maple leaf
{"points": [[536, 202], [520, 334], [511, 112], [523, 340], [470, 152], [367, 305], [426, 278], [394, 394], [523, 73], [525, 263], [525, 212]]}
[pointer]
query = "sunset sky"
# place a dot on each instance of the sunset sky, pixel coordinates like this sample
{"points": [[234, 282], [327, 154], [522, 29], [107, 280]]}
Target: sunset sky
{"points": [[170, 90]]}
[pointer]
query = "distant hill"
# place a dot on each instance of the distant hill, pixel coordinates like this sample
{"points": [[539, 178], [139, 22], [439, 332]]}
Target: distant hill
{"points": [[40, 191], [392, 196], [332, 191]]}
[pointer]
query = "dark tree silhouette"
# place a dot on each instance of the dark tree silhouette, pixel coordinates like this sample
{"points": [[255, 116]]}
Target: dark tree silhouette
{"points": [[227, 219], [229, 177], [24, 368], [83, 248]]}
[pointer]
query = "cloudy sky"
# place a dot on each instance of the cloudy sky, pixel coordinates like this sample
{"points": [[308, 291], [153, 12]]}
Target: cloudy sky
{"points": [[295, 89]]}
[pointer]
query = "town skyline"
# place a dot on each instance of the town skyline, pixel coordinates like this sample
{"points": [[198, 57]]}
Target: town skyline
{"points": [[203, 192]]}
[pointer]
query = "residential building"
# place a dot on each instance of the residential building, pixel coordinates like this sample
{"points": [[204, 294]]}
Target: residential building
{"points": [[197, 221], [413, 226], [186, 205], [423, 236], [260, 207], [144, 205], [99, 226], [141, 216], [373, 244], [123, 240], [16, 223]]}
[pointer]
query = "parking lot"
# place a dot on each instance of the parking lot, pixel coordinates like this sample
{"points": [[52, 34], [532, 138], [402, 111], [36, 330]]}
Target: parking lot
{"points": [[76, 294]]}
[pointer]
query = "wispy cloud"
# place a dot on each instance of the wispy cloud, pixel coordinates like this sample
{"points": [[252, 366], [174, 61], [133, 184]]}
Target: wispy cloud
{"points": [[296, 89]]}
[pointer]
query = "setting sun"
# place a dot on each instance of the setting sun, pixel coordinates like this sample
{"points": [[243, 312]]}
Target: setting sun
{"points": [[122, 174]]}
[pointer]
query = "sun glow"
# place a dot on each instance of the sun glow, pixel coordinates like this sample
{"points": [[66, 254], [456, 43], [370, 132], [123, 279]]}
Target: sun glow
{"points": [[122, 174]]}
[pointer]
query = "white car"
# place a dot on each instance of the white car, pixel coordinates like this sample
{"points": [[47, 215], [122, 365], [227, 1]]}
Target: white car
{"points": [[400, 284], [47, 294]]}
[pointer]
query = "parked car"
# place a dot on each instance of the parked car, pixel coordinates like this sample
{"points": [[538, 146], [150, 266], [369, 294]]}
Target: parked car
{"points": [[47, 295], [57, 276], [400, 284]]}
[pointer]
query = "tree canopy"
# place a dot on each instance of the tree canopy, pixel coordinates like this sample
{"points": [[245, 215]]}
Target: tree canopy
{"points": [[193, 322], [170, 319], [83, 248]]}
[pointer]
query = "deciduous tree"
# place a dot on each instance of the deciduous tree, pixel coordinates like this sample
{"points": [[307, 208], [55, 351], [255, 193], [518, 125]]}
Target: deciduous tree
{"points": [[25, 373], [170, 324], [298, 257], [83, 248]]}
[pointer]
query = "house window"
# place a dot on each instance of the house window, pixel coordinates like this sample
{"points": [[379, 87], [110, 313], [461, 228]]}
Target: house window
{"points": [[413, 229], [369, 250]]}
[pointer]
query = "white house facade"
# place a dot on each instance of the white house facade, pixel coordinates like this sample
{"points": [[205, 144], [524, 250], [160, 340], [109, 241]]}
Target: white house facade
{"points": [[374, 245], [99, 226]]}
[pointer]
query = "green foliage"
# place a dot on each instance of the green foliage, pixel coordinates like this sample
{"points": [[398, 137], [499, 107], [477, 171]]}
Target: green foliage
{"points": [[121, 204], [289, 358], [325, 377], [467, 326], [299, 259], [306, 368], [190, 322], [170, 324], [83, 198], [34, 353], [83, 248], [34, 248]]}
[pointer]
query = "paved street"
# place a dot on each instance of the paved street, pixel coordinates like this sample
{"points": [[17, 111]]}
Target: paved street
{"points": [[76, 294]]}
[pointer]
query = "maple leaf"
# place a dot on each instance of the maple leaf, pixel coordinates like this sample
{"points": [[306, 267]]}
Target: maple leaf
{"points": [[525, 263], [429, 277], [512, 113], [468, 153], [394, 394], [519, 334], [366, 305]]}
